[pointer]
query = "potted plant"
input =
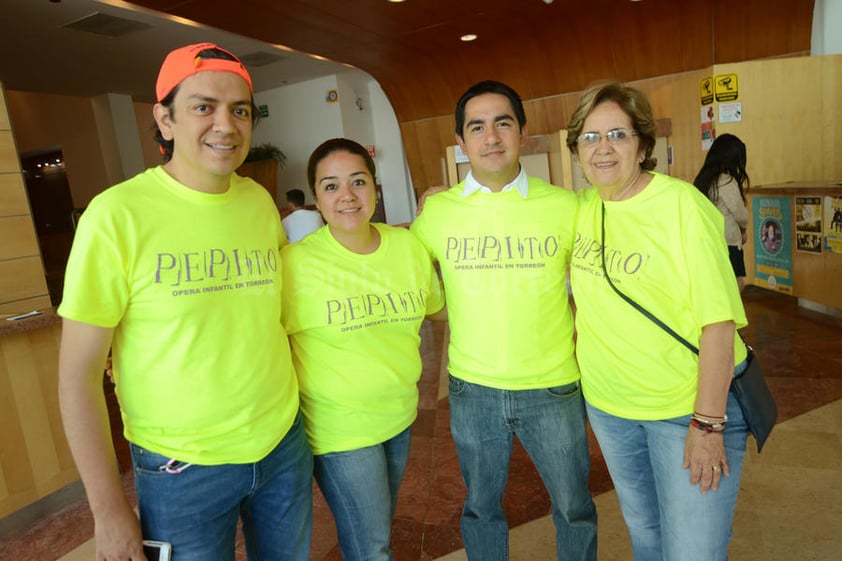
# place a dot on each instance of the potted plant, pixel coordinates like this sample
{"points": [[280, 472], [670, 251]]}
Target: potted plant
{"points": [[262, 163], [266, 151]]}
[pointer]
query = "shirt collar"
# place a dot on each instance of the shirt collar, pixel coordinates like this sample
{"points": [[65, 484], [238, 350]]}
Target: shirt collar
{"points": [[519, 184]]}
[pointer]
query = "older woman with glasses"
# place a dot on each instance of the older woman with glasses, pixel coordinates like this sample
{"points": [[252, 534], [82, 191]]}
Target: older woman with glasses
{"points": [[672, 435]]}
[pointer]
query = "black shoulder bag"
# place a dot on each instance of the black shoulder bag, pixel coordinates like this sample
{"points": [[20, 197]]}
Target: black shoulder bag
{"points": [[749, 387]]}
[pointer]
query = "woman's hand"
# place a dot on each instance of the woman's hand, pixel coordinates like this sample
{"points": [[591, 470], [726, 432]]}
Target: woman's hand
{"points": [[430, 191], [704, 454], [109, 371]]}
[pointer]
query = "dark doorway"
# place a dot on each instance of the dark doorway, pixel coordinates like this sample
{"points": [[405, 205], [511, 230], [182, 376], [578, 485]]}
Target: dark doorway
{"points": [[52, 212]]}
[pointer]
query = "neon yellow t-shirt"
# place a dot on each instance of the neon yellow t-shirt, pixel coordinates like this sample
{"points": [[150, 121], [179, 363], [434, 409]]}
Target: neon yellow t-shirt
{"points": [[665, 249], [353, 323], [191, 281], [504, 262]]}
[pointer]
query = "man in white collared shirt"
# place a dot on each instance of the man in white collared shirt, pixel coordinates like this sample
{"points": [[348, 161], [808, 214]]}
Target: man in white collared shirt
{"points": [[300, 221], [504, 241]]}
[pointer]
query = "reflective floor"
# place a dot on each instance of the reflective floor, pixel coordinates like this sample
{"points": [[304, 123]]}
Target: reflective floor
{"points": [[790, 506]]}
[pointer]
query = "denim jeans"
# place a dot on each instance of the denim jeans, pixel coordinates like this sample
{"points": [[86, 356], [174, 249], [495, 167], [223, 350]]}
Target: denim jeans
{"points": [[361, 489], [550, 423], [197, 509], [668, 518]]}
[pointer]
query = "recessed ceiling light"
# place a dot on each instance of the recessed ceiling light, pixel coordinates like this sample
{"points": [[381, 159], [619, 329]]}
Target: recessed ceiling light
{"points": [[396, 1], [468, 37]]}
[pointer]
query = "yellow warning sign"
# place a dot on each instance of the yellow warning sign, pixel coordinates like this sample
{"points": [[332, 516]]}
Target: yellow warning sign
{"points": [[706, 90], [725, 86]]}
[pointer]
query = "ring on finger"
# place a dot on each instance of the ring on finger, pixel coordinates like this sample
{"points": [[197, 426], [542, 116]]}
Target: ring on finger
{"points": [[716, 469]]}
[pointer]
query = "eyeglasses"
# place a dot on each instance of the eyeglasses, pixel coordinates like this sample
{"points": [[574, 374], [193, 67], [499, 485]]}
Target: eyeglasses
{"points": [[614, 136]]}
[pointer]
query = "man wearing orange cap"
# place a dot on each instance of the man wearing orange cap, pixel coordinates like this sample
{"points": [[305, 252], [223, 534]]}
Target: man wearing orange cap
{"points": [[177, 270]]}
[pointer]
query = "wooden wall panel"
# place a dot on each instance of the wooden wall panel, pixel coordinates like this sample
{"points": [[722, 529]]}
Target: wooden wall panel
{"points": [[17, 237], [427, 142], [676, 97], [659, 38], [65, 121], [792, 118], [9, 162], [753, 29], [414, 52], [17, 469], [21, 270], [21, 279], [831, 108], [35, 459], [4, 116], [13, 199], [264, 172], [25, 305]]}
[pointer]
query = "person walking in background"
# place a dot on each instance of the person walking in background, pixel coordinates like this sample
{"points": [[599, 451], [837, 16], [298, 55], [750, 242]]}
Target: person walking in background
{"points": [[723, 179], [354, 296], [300, 220], [166, 267], [503, 241], [670, 431]]}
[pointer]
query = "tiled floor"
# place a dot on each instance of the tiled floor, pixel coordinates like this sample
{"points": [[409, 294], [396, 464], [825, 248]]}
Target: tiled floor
{"points": [[790, 505]]}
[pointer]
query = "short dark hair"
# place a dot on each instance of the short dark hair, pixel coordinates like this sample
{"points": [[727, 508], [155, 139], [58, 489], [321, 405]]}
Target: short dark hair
{"points": [[296, 197], [486, 87], [167, 146], [327, 148], [633, 103]]}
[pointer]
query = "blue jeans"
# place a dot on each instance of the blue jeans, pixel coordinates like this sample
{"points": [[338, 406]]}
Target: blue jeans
{"points": [[550, 423], [197, 509], [361, 489], [668, 518]]}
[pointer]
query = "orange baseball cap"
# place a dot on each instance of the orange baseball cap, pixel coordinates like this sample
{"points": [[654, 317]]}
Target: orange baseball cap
{"points": [[185, 62]]}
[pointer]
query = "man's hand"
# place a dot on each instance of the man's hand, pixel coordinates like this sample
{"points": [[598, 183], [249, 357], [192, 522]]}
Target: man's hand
{"points": [[117, 536]]}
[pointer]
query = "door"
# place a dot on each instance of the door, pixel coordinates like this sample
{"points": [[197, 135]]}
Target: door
{"points": [[52, 212]]}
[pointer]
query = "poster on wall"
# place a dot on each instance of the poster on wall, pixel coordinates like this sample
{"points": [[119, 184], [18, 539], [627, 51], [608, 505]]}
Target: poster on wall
{"points": [[706, 90], [708, 127], [731, 112], [833, 224], [726, 88], [808, 224], [773, 242]]}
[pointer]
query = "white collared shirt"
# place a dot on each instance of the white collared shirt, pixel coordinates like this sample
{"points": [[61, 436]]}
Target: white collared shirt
{"points": [[519, 183]]}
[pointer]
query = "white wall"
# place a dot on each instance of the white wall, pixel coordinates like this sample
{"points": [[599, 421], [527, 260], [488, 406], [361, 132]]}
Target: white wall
{"points": [[827, 21], [300, 119], [355, 105], [392, 168]]}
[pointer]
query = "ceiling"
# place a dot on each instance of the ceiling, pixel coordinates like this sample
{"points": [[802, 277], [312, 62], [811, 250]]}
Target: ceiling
{"points": [[540, 47], [42, 54]]}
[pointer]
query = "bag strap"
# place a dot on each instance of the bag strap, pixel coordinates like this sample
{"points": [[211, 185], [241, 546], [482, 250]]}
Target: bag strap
{"points": [[634, 304]]}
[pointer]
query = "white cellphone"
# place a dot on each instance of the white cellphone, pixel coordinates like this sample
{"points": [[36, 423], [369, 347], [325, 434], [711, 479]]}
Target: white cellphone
{"points": [[157, 551]]}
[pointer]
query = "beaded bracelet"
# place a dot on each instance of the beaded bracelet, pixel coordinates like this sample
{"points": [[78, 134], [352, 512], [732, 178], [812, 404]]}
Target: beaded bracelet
{"points": [[703, 416], [706, 426]]}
